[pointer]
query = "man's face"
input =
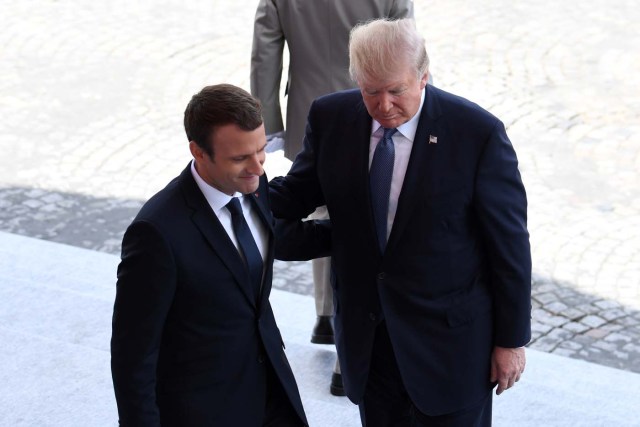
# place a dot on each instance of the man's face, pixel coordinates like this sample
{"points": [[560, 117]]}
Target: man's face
{"points": [[394, 100], [238, 156]]}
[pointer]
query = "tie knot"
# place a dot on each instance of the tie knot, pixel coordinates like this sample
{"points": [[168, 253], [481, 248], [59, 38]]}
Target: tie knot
{"points": [[234, 206], [388, 133]]}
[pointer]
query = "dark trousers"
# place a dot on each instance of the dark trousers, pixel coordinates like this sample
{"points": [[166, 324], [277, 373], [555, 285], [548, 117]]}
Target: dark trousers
{"points": [[278, 411], [387, 404]]}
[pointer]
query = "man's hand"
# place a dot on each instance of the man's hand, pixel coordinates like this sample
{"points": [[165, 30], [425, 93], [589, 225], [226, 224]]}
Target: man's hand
{"points": [[507, 365], [275, 142]]}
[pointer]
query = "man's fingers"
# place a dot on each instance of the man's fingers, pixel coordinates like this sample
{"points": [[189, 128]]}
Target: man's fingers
{"points": [[502, 386], [507, 366], [494, 373], [506, 382]]}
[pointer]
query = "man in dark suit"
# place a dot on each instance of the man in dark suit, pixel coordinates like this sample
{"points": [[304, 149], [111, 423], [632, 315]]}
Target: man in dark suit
{"points": [[429, 239], [195, 342]]}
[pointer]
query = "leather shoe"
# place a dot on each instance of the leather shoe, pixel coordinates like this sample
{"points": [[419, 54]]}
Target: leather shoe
{"points": [[336, 385], [323, 331]]}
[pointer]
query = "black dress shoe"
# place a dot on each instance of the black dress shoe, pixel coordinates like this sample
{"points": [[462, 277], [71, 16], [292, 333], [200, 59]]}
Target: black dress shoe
{"points": [[336, 385], [323, 331]]}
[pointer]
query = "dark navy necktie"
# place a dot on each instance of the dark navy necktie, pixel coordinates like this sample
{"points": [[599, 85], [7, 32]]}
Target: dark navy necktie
{"points": [[252, 257], [380, 175]]}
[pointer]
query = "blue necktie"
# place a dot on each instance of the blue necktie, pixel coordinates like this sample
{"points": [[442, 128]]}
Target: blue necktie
{"points": [[380, 181], [252, 257]]}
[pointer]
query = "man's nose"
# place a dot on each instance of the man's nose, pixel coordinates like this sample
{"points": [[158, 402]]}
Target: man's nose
{"points": [[385, 103], [255, 166]]}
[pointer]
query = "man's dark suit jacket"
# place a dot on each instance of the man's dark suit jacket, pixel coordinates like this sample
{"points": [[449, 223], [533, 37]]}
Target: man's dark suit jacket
{"points": [[190, 339], [455, 278]]}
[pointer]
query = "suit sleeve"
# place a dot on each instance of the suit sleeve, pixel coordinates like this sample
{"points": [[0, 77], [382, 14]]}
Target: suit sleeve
{"points": [[501, 208], [266, 64], [144, 292], [298, 240], [298, 194]]}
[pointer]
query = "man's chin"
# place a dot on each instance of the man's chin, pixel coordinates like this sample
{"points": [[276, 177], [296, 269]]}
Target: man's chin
{"points": [[391, 123], [250, 187]]}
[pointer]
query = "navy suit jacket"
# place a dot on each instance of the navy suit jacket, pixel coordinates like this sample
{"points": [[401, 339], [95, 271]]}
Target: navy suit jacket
{"points": [[190, 338], [455, 278]]}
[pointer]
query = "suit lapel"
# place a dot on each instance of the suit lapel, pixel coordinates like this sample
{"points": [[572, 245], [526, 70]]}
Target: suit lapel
{"points": [[424, 156], [360, 164], [215, 234], [259, 202]]}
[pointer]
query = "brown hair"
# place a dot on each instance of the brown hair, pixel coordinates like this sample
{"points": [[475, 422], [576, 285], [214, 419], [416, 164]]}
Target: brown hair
{"points": [[216, 106]]}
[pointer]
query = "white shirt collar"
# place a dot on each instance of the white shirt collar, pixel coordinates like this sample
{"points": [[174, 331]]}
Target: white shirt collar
{"points": [[216, 198], [408, 129]]}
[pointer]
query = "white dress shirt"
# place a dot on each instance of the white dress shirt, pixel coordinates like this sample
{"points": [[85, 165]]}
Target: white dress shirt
{"points": [[218, 202], [402, 142]]}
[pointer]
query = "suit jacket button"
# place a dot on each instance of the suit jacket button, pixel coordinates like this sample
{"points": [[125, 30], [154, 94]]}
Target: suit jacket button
{"points": [[373, 317], [260, 359], [381, 276]]}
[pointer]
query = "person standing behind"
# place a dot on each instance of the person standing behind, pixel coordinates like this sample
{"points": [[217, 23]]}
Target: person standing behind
{"points": [[316, 33], [429, 237], [194, 339]]}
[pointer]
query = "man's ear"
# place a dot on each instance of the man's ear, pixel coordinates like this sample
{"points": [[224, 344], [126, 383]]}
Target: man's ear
{"points": [[424, 79], [197, 152]]}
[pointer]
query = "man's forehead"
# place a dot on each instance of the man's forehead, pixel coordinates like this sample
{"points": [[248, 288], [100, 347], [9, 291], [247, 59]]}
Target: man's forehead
{"points": [[382, 82], [233, 138]]}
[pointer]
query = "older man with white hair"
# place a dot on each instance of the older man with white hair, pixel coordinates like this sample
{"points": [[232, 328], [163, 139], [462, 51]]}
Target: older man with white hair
{"points": [[429, 238]]}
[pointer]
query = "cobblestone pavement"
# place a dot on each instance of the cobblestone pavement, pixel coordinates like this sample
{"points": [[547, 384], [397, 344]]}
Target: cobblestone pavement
{"points": [[92, 96]]}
